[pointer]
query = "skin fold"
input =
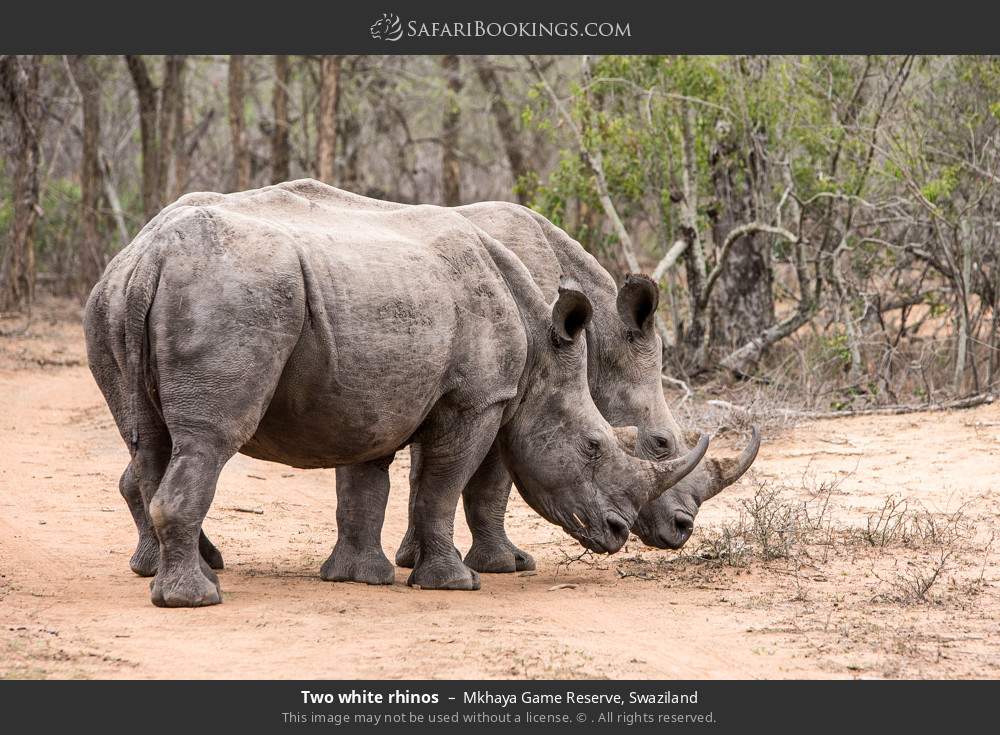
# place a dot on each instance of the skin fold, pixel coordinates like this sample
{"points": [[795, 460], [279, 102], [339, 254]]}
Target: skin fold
{"points": [[284, 325]]}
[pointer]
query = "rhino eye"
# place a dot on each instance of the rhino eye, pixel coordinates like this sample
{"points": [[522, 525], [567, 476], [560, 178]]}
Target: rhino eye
{"points": [[661, 444], [592, 446]]}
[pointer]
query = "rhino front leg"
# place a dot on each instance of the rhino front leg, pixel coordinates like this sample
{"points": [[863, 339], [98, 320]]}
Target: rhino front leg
{"points": [[406, 555], [485, 499], [449, 457], [362, 492]]}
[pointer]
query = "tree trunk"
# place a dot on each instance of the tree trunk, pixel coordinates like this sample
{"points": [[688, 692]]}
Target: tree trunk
{"points": [[91, 248], [962, 338], [506, 125], [152, 195], [695, 332], [326, 121], [280, 170], [237, 123], [742, 301], [182, 157], [451, 171], [19, 98], [170, 94]]}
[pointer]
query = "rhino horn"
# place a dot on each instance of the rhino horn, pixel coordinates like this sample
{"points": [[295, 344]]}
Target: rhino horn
{"points": [[669, 472], [724, 472]]}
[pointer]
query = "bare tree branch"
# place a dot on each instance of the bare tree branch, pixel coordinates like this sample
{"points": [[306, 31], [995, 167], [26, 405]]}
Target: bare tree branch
{"points": [[593, 159], [735, 234]]}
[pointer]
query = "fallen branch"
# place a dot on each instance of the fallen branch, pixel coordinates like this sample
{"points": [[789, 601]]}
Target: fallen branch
{"points": [[957, 404], [740, 360], [242, 509]]}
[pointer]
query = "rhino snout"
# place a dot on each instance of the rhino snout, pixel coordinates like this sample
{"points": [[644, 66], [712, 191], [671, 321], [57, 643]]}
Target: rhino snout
{"points": [[615, 532], [604, 537], [663, 525]]}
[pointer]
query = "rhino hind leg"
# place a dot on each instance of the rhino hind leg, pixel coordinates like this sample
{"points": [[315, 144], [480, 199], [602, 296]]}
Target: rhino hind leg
{"points": [[362, 493], [147, 551], [149, 464], [406, 554], [209, 552], [146, 557], [485, 500], [177, 509]]}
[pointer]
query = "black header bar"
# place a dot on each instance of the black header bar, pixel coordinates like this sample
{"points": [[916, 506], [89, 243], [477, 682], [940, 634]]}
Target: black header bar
{"points": [[511, 26]]}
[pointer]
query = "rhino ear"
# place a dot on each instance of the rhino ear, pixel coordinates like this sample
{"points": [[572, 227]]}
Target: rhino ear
{"points": [[570, 315], [637, 301]]}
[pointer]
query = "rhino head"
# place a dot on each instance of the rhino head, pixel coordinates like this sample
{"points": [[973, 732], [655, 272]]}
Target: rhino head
{"points": [[667, 522], [624, 371], [566, 460]]}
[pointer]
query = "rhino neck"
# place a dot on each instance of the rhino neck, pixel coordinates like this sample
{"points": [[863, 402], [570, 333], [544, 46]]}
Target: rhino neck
{"points": [[552, 258], [531, 307], [580, 269]]}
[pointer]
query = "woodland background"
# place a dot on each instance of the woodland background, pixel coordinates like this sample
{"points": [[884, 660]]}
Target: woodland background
{"points": [[825, 229]]}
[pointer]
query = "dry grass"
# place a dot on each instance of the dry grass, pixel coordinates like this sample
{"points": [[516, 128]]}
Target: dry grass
{"points": [[911, 551]]}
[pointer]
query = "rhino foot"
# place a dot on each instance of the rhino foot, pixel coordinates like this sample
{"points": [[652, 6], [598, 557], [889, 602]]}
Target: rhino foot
{"points": [[210, 553], [406, 555], [146, 557], [498, 558], [196, 588], [347, 564], [445, 572]]}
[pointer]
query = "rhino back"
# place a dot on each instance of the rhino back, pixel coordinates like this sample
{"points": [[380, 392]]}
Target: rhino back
{"points": [[397, 311]]}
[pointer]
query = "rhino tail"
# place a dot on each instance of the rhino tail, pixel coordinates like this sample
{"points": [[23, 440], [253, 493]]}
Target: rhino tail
{"points": [[139, 295]]}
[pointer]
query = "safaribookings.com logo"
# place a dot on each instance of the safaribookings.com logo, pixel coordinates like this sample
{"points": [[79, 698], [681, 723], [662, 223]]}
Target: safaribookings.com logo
{"points": [[390, 28], [387, 28]]}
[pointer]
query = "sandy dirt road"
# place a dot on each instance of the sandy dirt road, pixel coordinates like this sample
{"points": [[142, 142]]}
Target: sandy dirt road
{"points": [[70, 607]]}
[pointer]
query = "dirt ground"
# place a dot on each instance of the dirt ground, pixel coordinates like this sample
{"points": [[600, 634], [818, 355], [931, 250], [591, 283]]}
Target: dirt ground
{"points": [[801, 570]]}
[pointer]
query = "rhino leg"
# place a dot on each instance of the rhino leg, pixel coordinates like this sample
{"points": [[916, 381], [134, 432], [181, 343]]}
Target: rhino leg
{"points": [[362, 492], [211, 555], [448, 459], [406, 555], [147, 552], [144, 473], [485, 500]]}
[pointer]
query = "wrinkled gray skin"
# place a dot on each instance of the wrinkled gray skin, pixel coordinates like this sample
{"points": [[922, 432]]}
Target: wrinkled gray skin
{"points": [[280, 325], [624, 368]]}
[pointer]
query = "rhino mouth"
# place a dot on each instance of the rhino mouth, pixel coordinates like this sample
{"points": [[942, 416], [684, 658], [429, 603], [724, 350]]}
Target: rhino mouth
{"points": [[604, 537], [607, 539]]}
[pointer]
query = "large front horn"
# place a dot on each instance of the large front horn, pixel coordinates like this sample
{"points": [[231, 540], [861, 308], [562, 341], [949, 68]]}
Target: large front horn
{"points": [[724, 472], [669, 472]]}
